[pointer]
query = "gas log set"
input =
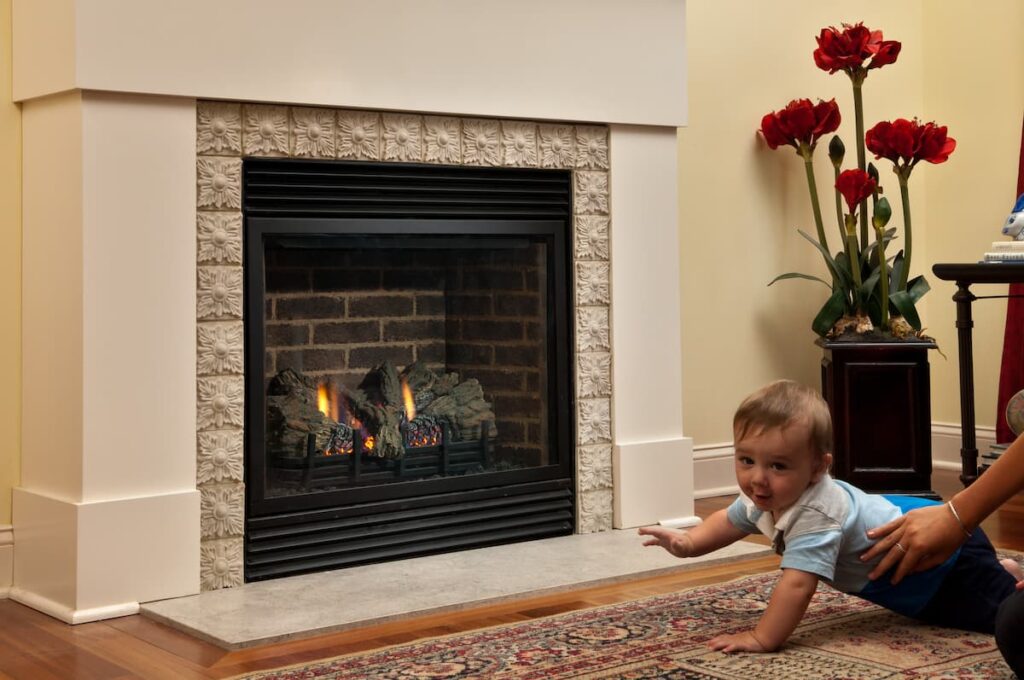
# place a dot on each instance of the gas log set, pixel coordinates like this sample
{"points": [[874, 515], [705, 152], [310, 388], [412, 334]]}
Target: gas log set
{"points": [[410, 424]]}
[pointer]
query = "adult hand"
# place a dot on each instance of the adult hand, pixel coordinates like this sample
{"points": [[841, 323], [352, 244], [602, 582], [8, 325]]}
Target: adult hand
{"points": [[737, 642], [673, 540], [919, 540]]}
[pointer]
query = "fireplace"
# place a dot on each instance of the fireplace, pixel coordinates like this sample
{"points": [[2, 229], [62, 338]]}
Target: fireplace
{"points": [[145, 144], [397, 187], [408, 361]]}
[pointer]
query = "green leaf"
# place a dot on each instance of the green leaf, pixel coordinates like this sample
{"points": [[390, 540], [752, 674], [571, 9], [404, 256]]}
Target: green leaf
{"points": [[824, 253], [843, 265], [897, 269], [798, 275], [867, 289], [830, 312], [917, 287], [902, 301], [874, 309]]}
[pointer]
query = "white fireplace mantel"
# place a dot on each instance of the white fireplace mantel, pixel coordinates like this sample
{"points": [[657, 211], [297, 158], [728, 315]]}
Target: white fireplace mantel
{"points": [[107, 514], [583, 60]]}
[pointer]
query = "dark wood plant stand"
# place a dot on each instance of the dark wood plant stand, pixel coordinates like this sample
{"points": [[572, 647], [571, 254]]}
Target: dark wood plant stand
{"points": [[881, 413]]}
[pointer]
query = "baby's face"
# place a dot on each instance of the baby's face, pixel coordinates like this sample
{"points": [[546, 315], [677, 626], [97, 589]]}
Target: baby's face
{"points": [[775, 465]]}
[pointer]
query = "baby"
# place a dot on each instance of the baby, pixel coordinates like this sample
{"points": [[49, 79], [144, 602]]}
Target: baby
{"points": [[783, 442]]}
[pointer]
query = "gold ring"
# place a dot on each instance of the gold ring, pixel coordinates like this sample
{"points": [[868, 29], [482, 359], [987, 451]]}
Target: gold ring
{"points": [[902, 549]]}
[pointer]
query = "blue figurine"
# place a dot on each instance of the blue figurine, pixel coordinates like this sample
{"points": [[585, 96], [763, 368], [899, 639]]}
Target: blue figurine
{"points": [[1015, 222]]}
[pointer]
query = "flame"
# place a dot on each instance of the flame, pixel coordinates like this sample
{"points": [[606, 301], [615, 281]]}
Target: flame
{"points": [[327, 400], [410, 405], [368, 439], [323, 400]]}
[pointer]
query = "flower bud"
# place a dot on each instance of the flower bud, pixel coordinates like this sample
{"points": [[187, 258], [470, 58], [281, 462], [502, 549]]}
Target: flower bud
{"points": [[882, 213], [873, 174], [836, 150]]}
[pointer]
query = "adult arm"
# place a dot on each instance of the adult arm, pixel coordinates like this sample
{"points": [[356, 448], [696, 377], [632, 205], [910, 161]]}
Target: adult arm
{"points": [[785, 609], [713, 533], [927, 536]]}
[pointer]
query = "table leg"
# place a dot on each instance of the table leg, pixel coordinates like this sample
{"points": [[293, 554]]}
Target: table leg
{"points": [[964, 329]]}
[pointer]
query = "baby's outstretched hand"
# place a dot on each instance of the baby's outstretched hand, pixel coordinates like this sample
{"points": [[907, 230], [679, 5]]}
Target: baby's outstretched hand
{"points": [[675, 541], [737, 642]]}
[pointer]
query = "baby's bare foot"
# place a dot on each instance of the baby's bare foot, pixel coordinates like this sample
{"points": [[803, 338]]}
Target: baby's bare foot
{"points": [[1013, 567]]}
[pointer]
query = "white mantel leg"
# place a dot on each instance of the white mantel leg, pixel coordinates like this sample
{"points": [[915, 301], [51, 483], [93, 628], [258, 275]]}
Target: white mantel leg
{"points": [[652, 462], [107, 515]]}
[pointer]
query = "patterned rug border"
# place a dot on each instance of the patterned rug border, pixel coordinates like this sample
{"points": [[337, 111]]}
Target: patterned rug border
{"points": [[806, 626]]}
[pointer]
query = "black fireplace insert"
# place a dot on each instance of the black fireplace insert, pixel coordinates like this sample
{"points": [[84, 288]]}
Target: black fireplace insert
{"points": [[408, 361]]}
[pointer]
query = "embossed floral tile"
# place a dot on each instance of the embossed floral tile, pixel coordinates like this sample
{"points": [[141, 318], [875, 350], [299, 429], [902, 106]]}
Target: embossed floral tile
{"points": [[227, 131]]}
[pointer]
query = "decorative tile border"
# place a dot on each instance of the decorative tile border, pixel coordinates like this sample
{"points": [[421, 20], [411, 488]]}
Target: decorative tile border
{"points": [[228, 131]]}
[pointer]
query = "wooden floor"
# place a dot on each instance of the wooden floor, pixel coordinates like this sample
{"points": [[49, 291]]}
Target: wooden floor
{"points": [[34, 646]]}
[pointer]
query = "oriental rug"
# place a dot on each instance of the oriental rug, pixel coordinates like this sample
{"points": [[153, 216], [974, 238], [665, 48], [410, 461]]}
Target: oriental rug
{"points": [[665, 636]]}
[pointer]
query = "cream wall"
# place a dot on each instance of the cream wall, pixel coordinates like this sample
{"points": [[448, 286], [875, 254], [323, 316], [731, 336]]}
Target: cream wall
{"points": [[10, 276], [741, 203], [977, 89]]}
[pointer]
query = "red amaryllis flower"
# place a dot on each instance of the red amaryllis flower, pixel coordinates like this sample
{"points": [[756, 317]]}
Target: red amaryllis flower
{"points": [[799, 122], [855, 186], [909, 141], [847, 49]]}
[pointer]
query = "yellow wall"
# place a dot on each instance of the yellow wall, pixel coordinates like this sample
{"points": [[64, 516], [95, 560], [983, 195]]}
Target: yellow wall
{"points": [[974, 83], [10, 273], [741, 203]]}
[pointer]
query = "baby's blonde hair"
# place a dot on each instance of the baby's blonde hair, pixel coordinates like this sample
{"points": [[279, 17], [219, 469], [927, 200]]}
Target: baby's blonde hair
{"points": [[783, 403]]}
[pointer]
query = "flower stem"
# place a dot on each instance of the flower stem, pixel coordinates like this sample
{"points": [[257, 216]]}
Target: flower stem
{"points": [[858, 112], [839, 218], [851, 244], [883, 278], [905, 196], [815, 205]]}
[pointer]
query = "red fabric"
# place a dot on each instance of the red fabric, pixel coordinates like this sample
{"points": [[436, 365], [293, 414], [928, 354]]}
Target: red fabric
{"points": [[1011, 373]]}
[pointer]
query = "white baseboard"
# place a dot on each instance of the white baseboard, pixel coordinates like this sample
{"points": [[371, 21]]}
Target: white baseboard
{"points": [[6, 559], [946, 444], [648, 476], [713, 473], [69, 615]]}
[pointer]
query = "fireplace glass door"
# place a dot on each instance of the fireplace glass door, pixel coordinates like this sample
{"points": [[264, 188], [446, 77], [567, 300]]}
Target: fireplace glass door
{"points": [[397, 358]]}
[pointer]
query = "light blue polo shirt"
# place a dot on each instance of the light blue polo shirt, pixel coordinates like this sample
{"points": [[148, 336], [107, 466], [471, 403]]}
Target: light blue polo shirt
{"points": [[824, 533]]}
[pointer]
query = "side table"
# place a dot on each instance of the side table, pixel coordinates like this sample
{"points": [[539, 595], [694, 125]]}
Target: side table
{"points": [[966, 275]]}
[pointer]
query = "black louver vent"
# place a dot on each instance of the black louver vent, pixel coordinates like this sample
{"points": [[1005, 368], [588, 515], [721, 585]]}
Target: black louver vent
{"points": [[309, 188], [315, 541]]}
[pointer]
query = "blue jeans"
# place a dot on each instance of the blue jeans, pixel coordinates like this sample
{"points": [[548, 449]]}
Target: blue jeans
{"points": [[973, 590]]}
